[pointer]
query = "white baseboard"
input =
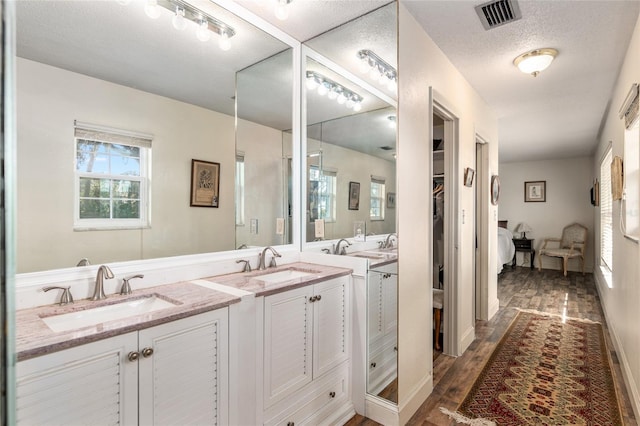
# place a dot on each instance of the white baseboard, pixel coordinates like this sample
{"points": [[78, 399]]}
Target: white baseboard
{"points": [[381, 411], [467, 338], [494, 308], [630, 383], [419, 395]]}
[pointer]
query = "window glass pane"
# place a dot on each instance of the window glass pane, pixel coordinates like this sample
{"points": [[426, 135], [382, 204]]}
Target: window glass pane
{"points": [[126, 209], [128, 166], [94, 188], [126, 189], [94, 209], [125, 150]]}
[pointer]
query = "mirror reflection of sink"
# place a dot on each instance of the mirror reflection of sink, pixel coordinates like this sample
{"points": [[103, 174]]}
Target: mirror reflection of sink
{"points": [[281, 276], [371, 255], [100, 314]]}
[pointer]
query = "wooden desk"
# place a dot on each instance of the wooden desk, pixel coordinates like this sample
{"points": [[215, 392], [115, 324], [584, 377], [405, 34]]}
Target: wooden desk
{"points": [[523, 245]]}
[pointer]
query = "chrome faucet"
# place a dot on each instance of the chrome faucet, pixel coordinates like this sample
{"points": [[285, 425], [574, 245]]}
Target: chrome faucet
{"points": [[262, 264], [247, 265], [388, 243], [84, 262], [337, 250], [103, 272], [66, 294], [126, 287]]}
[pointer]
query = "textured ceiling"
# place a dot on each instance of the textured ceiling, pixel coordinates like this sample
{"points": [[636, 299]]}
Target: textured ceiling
{"points": [[558, 113]]}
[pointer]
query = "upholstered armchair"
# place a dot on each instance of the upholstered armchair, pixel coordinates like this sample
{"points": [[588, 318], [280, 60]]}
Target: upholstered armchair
{"points": [[570, 246]]}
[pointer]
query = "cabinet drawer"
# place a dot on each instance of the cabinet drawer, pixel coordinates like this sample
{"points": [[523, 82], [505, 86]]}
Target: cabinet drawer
{"points": [[522, 244], [317, 401]]}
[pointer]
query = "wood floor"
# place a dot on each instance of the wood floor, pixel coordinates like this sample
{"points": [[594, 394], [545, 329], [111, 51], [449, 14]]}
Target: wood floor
{"points": [[546, 291]]}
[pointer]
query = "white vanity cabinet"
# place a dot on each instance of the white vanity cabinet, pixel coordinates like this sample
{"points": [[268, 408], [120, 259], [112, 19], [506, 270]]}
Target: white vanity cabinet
{"points": [[174, 373], [382, 311], [305, 354]]}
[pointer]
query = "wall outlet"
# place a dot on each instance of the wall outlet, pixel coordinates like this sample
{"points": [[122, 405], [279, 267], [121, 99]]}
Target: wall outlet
{"points": [[319, 228], [254, 226]]}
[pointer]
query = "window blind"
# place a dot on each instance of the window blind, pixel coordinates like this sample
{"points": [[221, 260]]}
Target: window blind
{"points": [[606, 212], [98, 133]]}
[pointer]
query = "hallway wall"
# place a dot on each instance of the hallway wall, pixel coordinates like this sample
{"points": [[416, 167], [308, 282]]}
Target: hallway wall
{"points": [[621, 297], [567, 201]]}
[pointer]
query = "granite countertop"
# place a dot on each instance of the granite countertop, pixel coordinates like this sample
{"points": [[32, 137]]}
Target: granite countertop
{"points": [[251, 282], [34, 338]]}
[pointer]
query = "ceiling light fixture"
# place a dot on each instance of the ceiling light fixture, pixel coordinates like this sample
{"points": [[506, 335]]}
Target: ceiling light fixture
{"points": [[184, 12], [392, 121], [378, 69], [333, 90], [282, 9], [535, 61]]}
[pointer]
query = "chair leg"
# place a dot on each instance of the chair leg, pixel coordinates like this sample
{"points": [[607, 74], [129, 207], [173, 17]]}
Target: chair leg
{"points": [[564, 265], [539, 262], [582, 260]]}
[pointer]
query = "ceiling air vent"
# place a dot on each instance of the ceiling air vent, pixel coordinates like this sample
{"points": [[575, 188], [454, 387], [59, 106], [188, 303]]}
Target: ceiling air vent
{"points": [[496, 13]]}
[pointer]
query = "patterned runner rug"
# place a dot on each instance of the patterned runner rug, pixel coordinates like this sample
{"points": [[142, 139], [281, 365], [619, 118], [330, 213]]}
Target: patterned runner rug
{"points": [[546, 372]]}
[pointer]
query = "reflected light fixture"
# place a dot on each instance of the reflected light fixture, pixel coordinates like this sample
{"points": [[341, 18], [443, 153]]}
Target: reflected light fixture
{"points": [[378, 69], [282, 9], [535, 61], [392, 121], [183, 13], [334, 91]]}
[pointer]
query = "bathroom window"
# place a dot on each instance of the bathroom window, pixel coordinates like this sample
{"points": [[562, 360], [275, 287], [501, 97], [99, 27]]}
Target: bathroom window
{"points": [[322, 194], [631, 203], [240, 189], [112, 178], [376, 212], [606, 215]]}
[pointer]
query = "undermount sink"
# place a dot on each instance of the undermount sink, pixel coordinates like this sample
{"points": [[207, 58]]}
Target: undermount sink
{"points": [[371, 255], [100, 314], [281, 276]]}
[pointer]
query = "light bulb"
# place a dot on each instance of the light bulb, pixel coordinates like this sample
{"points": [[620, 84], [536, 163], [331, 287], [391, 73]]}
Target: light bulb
{"points": [[350, 103], [393, 84], [357, 106], [332, 94], [374, 73], [311, 83], [178, 21], [203, 33], [341, 98], [382, 78], [282, 10], [364, 65], [322, 89], [151, 9], [224, 43], [124, 2]]}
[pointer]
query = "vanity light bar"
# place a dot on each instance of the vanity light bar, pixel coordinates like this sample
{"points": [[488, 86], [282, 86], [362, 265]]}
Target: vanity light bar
{"points": [[378, 68], [333, 90], [197, 16]]}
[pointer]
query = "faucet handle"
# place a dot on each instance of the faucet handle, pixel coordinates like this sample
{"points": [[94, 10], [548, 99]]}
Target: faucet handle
{"points": [[247, 265], [273, 263], [66, 294], [126, 287]]}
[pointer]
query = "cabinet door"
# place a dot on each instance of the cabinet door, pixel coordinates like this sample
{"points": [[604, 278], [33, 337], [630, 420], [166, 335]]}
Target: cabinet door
{"points": [[375, 308], [390, 303], [287, 343], [92, 384], [329, 325], [185, 380]]}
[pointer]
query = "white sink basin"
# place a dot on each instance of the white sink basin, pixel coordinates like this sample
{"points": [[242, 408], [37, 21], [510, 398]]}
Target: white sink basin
{"points": [[87, 317], [282, 276]]}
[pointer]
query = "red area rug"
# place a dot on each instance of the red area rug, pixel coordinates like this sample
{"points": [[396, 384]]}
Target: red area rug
{"points": [[546, 372]]}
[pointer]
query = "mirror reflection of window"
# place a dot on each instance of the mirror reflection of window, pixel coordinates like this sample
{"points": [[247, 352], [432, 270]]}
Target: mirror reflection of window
{"points": [[239, 189], [322, 194], [376, 212]]}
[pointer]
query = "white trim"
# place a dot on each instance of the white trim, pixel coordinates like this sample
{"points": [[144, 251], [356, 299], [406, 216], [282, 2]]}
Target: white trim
{"points": [[416, 398], [381, 411], [80, 125]]}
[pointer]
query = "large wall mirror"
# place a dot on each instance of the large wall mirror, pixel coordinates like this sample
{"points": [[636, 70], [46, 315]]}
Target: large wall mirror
{"points": [[356, 143], [98, 83]]}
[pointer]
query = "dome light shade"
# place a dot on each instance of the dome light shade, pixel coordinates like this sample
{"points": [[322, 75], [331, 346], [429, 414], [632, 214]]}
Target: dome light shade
{"points": [[535, 61]]}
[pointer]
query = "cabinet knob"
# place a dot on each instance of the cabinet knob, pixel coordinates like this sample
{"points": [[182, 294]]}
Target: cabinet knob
{"points": [[395, 348], [133, 356], [332, 394], [312, 299], [147, 352], [290, 424], [373, 365], [318, 297]]}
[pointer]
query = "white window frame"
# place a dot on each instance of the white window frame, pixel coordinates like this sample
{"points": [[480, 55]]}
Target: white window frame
{"points": [[240, 190], [632, 181], [381, 183], [107, 135], [606, 214], [328, 179]]}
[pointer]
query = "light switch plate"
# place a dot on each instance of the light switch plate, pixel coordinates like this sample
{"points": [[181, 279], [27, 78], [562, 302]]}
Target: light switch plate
{"points": [[280, 226], [319, 228], [254, 226]]}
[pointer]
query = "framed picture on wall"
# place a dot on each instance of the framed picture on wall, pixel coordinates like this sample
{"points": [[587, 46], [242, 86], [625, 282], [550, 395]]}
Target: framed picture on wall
{"points": [[468, 176], [354, 195], [205, 183], [391, 200], [535, 191]]}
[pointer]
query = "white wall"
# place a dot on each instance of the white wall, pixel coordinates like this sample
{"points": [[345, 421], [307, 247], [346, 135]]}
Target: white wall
{"points": [[354, 166], [621, 301], [568, 200], [49, 99], [422, 64]]}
